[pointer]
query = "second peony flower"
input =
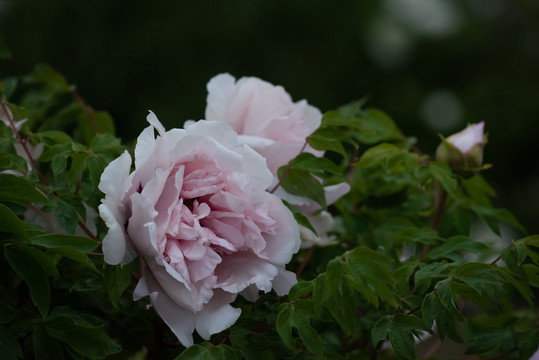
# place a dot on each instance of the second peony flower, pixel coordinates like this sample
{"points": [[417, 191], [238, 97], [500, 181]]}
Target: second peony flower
{"points": [[197, 211]]}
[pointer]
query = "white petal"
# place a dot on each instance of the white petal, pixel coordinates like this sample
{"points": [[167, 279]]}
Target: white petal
{"points": [[178, 319], [145, 146], [286, 241], [115, 174], [139, 230], [217, 315], [114, 243], [240, 270], [284, 281], [152, 119]]}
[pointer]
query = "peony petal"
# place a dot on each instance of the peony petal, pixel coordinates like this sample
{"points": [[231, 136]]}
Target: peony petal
{"points": [[217, 315], [114, 175], [114, 243], [286, 241], [284, 281], [238, 271], [178, 319], [139, 230], [145, 147], [152, 119]]}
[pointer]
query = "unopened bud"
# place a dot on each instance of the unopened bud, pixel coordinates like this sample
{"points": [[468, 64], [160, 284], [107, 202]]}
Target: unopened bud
{"points": [[463, 151]]}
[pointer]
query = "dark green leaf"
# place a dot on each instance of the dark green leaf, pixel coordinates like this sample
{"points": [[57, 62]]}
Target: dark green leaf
{"points": [[302, 183], [32, 265], [46, 347], [9, 346], [115, 280], [83, 338], [5, 53], [380, 330], [19, 190], [489, 339], [402, 342], [51, 79], [376, 126], [431, 271], [10, 223], [454, 245], [51, 241], [208, 351], [300, 218]]}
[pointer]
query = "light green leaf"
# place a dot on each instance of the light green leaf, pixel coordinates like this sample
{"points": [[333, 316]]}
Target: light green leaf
{"points": [[302, 183]]}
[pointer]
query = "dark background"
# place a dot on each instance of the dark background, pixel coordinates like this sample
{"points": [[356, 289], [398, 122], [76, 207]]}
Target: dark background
{"points": [[433, 65]]}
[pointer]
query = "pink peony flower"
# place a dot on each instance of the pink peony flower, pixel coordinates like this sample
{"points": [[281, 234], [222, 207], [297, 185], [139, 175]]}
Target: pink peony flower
{"points": [[264, 116], [268, 121], [196, 210]]}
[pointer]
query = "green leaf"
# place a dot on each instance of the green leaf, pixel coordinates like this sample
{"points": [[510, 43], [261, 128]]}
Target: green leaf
{"points": [[376, 126], [402, 342], [33, 266], [54, 137], [318, 166], [379, 155], [82, 337], [442, 172], [283, 326], [46, 347], [489, 339], [300, 218], [208, 351], [9, 346], [453, 245], [51, 241], [431, 271], [328, 139], [380, 330], [298, 182], [19, 190], [115, 280], [13, 162], [51, 79], [66, 214], [432, 309], [369, 267], [10, 223]]}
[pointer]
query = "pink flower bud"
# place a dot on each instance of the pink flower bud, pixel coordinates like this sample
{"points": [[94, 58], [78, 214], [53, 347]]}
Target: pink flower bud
{"points": [[463, 151]]}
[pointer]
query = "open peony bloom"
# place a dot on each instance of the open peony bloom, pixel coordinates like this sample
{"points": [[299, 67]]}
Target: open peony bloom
{"points": [[197, 211], [267, 120], [463, 151]]}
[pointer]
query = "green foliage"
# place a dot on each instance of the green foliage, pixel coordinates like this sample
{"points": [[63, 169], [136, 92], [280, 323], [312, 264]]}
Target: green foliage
{"points": [[404, 264]]}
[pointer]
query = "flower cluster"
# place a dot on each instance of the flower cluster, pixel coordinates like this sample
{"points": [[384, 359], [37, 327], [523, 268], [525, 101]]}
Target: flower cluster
{"points": [[197, 208]]}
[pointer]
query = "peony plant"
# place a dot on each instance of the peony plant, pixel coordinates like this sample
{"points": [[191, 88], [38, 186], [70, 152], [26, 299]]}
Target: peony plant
{"points": [[196, 253]]}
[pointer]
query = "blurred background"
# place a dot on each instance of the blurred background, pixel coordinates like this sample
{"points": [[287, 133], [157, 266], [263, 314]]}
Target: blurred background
{"points": [[433, 65]]}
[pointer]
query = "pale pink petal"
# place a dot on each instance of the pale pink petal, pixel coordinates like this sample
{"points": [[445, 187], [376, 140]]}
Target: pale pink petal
{"points": [[217, 315], [285, 242], [238, 271], [178, 319], [283, 281], [114, 247], [114, 175]]}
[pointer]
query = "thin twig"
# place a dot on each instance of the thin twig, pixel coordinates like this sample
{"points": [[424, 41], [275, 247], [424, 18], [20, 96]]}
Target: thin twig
{"points": [[305, 260], [87, 109], [23, 143], [439, 202]]}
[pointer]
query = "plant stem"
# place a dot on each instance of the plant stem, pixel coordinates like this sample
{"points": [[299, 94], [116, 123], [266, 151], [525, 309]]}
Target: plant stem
{"points": [[305, 260], [440, 196]]}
